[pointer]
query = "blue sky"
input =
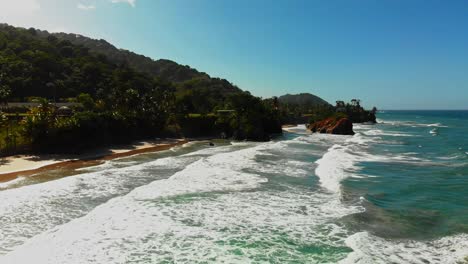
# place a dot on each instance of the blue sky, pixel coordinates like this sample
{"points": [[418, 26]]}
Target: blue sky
{"points": [[394, 54]]}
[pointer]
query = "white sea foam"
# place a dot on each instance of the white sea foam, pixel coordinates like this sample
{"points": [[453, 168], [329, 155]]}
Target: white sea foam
{"points": [[334, 166], [378, 132], [299, 129], [214, 208], [435, 125], [340, 161], [205, 230], [369, 249], [159, 222], [46, 205], [451, 157], [410, 123]]}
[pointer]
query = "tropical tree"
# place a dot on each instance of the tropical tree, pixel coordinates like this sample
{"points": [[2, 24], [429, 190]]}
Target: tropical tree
{"points": [[3, 119], [5, 91]]}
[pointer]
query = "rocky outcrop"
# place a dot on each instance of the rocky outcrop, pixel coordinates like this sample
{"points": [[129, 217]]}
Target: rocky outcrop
{"points": [[362, 117], [342, 126]]}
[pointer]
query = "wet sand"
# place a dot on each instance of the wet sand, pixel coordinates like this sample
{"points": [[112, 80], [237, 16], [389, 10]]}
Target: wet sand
{"points": [[16, 166]]}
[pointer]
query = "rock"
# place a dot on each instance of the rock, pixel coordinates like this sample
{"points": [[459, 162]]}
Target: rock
{"points": [[342, 126]]}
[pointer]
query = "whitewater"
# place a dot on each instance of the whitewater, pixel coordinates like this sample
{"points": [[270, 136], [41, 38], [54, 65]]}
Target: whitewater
{"points": [[300, 198]]}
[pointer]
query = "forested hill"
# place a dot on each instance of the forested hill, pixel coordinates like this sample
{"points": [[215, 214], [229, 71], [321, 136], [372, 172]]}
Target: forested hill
{"points": [[77, 64], [115, 101], [185, 77], [303, 99], [164, 69]]}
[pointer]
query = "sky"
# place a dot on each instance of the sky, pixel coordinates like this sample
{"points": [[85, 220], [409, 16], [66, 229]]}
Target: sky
{"points": [[393, 54]]}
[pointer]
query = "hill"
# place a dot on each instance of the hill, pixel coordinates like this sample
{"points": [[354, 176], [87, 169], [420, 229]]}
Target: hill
{"points": [[199, 91], [303, 99], [116, 102], [163, 69]]}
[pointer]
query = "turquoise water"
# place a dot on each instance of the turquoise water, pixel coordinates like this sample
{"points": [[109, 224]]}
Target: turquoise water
{"points": [[396, 192], [423, 187]]}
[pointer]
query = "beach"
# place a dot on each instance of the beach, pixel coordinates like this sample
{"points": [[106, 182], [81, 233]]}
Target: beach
{"points": [[13, 167], [390, 192]]}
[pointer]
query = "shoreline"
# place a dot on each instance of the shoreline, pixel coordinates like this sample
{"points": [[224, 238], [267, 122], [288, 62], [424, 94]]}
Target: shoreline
{"points": [[23, 165]]}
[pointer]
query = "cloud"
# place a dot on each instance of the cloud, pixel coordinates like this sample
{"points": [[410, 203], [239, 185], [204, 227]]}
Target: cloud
{"points": [[130, 2], [85, 7], [18, 7]]}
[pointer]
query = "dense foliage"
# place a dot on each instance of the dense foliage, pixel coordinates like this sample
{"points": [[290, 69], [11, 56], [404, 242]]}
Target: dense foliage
{"points": [[163, 69], [114, 101], [355, 112]]}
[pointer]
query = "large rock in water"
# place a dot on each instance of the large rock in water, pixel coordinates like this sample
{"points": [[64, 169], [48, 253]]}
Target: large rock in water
{"points": [[342, 126]]}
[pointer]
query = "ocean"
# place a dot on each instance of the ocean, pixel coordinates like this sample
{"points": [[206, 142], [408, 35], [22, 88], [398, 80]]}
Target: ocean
{"points": [[396, 192]]}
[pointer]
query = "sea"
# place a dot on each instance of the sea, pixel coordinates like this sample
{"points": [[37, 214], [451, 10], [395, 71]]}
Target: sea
{"points": [[395, 192]]}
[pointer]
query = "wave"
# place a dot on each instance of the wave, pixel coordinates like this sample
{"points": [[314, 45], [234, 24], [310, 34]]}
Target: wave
{"points": [[219, 172], [215, 207], [12, 183], [378, 132], [204, 212], [299, 129], [332, 167], [371, 249], [45, 205], [339, 162], [409, 123], [434, 132], [435, 125]]}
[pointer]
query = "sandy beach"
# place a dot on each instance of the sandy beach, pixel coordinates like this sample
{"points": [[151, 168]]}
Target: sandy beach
{"points": [[26, 165]]}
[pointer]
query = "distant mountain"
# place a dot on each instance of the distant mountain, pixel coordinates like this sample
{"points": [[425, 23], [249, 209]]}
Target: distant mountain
{"points": [[302, 99]]}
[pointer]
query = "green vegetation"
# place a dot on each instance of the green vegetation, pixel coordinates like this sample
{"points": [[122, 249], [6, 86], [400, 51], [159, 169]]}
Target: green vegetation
{"points": [[114, 96], [355, 112], [302, 100], [184, 77], [113, 101], [307, 108], [302, 108]]}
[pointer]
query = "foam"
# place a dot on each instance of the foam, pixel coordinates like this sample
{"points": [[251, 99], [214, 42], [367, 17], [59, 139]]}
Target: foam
{"points": [[410, 123], [138, 228], [333, 166], [45, 205], [9, 184], [378, 132], [146, 225], [434, 125], [213, 208], [371, 249], [340, 161]]}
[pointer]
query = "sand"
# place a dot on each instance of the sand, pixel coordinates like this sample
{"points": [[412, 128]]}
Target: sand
{"points": [[24, 165]]}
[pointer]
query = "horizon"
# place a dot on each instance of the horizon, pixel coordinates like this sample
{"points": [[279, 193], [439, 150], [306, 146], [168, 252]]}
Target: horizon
{"points": [[414, 50]]}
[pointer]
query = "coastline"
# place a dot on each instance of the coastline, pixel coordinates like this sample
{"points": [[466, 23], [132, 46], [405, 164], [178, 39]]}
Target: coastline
{"points": [[24, 165]]}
